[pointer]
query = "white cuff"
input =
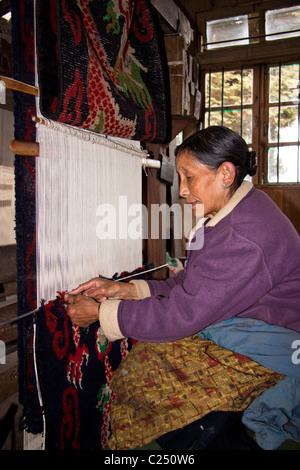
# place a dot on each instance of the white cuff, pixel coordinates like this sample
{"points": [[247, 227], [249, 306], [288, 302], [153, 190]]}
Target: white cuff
{"points": [[142, 288], [108, 317]]}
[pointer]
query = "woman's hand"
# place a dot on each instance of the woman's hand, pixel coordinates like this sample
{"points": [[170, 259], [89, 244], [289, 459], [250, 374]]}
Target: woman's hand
{"points": [[101, 289], [82, 310]]}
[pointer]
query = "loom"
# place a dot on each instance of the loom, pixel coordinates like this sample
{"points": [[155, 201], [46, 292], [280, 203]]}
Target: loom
{"points": [[75, 171], [107, 167], [64, 173]]}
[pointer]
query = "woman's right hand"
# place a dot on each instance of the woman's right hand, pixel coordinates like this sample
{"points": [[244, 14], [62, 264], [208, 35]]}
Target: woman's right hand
{"points": [[100, 289]]}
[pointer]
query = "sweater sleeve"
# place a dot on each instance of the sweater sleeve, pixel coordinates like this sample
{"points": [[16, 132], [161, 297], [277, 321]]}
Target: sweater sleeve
{"points": [[164, 288], [223, 279]]}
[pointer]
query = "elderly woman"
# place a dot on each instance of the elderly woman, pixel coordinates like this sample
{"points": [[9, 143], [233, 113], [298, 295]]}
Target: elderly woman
{"points": [[248, 266], [217, 338]]}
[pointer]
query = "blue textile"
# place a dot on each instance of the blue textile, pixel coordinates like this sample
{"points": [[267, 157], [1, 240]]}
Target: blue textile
{"points": [[269, 412], [275, 348]]}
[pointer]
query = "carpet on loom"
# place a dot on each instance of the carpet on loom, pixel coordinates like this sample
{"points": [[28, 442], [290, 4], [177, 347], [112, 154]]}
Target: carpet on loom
{"points": [[75, 367], [102, 66]]}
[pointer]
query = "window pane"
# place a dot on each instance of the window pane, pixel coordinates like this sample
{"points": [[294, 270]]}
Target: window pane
{"points": [[247, 86], [273, 124], [213, 85], [288, 124], [215, 118], [232, 88], [272, 165], [227, 29], [288, 171], [247, 125], [289, 83], [207, 89], [232, 119], [274, 84], [285, 19]]}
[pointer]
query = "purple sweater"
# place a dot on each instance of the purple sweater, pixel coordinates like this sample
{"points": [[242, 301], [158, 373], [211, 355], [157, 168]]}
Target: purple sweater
{"points": [[249, 266]]}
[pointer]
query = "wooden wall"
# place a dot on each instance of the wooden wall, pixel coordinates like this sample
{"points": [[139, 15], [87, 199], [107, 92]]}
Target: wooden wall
{"points": [[287, 198]]}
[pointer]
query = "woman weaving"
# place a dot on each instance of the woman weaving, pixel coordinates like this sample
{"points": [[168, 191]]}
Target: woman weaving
{"points": [[247, 268]]}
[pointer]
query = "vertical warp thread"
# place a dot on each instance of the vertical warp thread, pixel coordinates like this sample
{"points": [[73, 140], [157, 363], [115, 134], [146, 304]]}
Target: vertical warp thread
{"points": [[74, 177]]}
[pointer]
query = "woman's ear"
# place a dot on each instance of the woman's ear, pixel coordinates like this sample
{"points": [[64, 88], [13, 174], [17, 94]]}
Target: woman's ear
{"points": [[228, 173]]}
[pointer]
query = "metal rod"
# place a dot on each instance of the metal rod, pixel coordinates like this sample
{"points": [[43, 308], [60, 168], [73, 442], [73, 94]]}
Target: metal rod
{"points": [[24, 315], [20, 317]]}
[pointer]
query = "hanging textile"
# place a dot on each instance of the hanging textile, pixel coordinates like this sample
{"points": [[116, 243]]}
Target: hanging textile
{"points": [[102, 67]]}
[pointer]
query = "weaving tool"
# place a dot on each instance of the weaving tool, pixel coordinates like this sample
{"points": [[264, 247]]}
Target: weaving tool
{"points": [[25, 315]]}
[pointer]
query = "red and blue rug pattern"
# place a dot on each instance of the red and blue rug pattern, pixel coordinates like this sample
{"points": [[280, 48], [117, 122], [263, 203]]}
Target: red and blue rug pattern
{"points": [[102, 66]]}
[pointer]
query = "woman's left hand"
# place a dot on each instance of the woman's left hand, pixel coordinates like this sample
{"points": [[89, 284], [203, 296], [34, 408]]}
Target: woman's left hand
{"points": [[82, 310]]}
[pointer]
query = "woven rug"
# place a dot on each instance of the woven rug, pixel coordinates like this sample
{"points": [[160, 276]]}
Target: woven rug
{"points": [[75, 366], [74, 369], [102, 67]]}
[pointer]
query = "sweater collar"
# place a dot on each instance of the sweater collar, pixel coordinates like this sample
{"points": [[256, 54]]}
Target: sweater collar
{"points": [[239, 194]]}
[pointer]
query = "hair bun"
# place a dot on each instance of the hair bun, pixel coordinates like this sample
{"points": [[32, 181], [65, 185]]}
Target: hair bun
{"points": [[252, 163]]}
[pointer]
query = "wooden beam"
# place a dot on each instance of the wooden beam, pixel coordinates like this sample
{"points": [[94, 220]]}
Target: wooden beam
{"points": [[269, 51], [15, 85], [227, 8], [24, 147]]}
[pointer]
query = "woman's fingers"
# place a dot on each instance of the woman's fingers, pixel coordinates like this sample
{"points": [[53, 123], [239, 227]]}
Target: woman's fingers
{"points": [[83, 311], [101, 289]]}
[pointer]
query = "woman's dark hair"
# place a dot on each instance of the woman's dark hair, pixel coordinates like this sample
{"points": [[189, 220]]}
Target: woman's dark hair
{"points": [[215, 145]]}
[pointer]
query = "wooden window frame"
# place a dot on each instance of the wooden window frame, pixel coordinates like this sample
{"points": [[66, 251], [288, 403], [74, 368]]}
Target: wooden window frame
{"points": [[260, 98]]}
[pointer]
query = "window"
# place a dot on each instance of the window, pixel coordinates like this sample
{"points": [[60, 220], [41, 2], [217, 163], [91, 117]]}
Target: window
{"points": [[229, 100], [234, 31], [283, 23], [247, 29], [283, 124], [269, 123]]}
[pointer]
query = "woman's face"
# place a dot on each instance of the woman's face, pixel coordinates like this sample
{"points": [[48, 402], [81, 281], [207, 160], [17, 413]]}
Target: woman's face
{"points": [[200, 185]]}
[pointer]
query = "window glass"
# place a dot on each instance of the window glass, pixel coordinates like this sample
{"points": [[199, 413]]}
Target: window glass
{"points": [[232, 88], [285, 21], [247, 125], [234, 31], [214, 118], [213, 91], [285, 80], [283, 129], [229, 100], [283, 164], [247, 91]]}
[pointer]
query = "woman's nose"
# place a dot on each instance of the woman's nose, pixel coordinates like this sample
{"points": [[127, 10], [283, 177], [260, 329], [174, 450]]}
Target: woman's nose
{"points": [[183, 189]]}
